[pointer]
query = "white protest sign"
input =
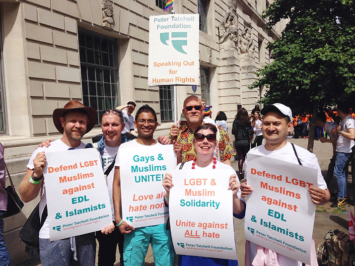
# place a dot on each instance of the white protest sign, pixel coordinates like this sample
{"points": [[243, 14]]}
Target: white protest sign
{"points": [[201, 213], [174, 50], [142, 171], [280, 214], [77, 196]]}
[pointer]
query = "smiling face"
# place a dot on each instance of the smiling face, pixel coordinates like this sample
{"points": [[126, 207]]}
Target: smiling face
{"points": [[275, 128], [193, 116], [74, 125], [111, 128], [204, 147], [145, 125]]}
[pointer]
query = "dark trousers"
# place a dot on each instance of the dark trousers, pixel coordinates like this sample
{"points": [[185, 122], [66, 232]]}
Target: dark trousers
{"points": [[304, 129], [329, 177], [107, 247], [257, 142]]}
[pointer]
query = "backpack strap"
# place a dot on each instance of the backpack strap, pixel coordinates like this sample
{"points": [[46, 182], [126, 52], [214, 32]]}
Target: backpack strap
{"points": [[107, 172], [182, 165], [294, 149], [44, 216]]}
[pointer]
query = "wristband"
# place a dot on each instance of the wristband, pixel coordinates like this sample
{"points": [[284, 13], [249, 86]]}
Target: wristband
{"points": [[166, 197], [34, 181], [36, 178], [119, 223]]}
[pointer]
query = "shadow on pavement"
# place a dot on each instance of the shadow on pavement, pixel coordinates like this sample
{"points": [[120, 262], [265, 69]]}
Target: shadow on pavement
{"points": [[340, 221]]}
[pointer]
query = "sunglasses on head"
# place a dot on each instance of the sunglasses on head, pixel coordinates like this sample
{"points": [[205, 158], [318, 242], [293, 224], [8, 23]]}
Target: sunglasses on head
{"points": [[196, 107], [108, 111], [200, 137]]}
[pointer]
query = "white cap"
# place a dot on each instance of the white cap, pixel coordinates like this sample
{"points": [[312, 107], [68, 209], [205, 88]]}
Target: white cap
{"points": [[279, 107]]}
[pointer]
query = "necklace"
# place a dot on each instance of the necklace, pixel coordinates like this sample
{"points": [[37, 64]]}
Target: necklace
{"points": [[213, 166]]}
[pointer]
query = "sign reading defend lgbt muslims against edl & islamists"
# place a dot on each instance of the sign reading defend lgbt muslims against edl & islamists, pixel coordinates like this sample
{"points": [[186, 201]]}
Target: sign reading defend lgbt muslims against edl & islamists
{"points": [[142, 171], [201, 214], [174, 50], [77, 197], [280, 213]]}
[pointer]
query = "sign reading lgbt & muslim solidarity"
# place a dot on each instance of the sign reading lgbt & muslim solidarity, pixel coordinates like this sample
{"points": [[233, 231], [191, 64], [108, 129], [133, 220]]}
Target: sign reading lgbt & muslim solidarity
{"points": [[280, 213], [201, 214], [142, 172], [77, 197], [174, 50]]}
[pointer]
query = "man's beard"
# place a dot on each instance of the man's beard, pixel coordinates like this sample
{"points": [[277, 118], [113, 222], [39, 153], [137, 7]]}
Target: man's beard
{"points": [[71, 135]]}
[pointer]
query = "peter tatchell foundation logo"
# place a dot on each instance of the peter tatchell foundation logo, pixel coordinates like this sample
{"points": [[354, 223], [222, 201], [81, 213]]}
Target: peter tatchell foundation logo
{"points": [[181, 245], [130, 219], [177, 44], [252, 230]]}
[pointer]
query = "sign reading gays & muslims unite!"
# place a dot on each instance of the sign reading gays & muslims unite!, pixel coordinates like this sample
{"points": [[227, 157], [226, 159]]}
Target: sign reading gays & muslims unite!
{"points": [[173, 50], [76, 191], [280, 213], [142, 172], [201, 214]]}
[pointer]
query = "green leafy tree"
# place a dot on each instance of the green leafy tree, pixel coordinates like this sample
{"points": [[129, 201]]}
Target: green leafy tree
{"points": [[314, 60]]}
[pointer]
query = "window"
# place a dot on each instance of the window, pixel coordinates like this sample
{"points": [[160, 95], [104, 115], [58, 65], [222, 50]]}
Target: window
{"points": [[202, 10], [166, 94], [256, 4], [160, 3], [205, 84], [99, 71], [260, 43], [267, 4]]}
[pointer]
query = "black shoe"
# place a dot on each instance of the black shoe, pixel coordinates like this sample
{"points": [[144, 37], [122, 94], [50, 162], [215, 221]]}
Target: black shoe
{"points": [[339, 203]]}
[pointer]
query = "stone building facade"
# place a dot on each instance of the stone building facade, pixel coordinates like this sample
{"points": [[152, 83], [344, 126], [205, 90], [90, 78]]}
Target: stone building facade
{"points": [[96, 51]]}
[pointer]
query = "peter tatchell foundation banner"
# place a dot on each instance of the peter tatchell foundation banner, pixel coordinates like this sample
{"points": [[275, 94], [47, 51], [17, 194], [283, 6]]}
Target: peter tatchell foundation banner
{"points": [[201, 214], [280, 214], [77, 197]]}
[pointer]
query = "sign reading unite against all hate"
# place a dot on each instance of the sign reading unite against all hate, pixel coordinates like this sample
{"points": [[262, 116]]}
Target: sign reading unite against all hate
{"points": [[280, 212], [142, 171], [77, 197], [201, 214], [173, 50]]}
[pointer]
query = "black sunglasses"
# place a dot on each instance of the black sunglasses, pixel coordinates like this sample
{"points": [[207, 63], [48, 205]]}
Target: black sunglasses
{"points": [[200, 137], [196, 107]]}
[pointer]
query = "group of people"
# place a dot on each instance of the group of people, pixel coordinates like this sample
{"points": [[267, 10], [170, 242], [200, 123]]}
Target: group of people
{"points": [[197, 144]]}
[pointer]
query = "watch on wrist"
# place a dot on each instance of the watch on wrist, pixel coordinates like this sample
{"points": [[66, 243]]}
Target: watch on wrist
{"points": [[36, 178]]}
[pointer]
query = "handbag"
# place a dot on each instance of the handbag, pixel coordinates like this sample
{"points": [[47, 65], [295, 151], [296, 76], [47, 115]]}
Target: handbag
{"points": [[14, 203], [29, 233]]}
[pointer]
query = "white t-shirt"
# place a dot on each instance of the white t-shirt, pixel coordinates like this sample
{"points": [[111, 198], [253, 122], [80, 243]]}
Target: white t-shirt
{"points": [[328, 128], [57, 145], [257, 127], [129, 122], [344, 144], [131, 144], [209, 120], [287, 154], [107, 158], [223, 124]]}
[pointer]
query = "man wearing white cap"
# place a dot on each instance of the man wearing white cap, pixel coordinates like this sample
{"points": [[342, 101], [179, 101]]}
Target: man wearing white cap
{"points": [[276, 124]]}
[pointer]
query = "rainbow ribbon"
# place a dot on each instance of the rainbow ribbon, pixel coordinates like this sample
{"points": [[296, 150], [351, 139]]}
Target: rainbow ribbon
{"points": [[169, 4]]}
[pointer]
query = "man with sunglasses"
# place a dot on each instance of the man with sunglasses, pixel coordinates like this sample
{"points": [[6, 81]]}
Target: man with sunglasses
{"points": [[183, 137], [137, 240]]}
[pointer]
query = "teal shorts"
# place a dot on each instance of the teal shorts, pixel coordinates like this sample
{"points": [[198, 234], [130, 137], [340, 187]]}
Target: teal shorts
{"points": [[137, 242]]}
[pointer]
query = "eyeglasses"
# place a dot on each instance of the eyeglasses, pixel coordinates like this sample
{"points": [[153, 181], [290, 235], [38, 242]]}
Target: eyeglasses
{"points": [[149, 121], [200, 137], [109, 111], [196, 107]]}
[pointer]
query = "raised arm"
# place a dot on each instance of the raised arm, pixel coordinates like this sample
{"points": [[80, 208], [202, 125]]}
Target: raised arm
{"points": [[29, 188]]}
